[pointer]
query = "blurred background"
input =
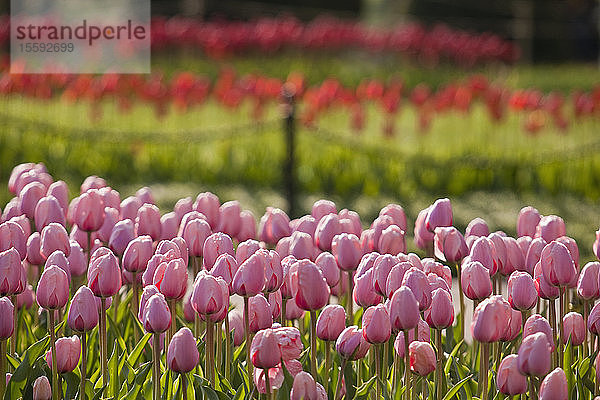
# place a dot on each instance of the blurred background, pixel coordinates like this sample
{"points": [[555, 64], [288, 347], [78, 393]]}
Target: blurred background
{"points": [[495, 105]]}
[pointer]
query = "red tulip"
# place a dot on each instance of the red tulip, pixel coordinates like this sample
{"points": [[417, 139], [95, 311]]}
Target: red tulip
{"points": [[509, 380], [68, 351], [554, 386], [422, 358], [53, 288], [83, 314], [182, 354]]}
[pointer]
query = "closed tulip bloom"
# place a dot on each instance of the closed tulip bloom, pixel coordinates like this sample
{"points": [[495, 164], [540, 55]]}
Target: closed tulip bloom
{"points": [[395, 278], [130, 207], [111, 217], [534, 355], [247, 226], [245, 250], [275, 301], [58, 259], [522, 294], [147, 221], [477, 227], [392, 240], [60, 191], [273, 226], [304, 387], [417, 281], [11, 210], [182, 207], [308, 286], [229, 220], [587, 285], [189, 217], [538, 324], [513, 328], [328, 265], [249, 280], [208, 204], [327, 228], [572, 247], [182, 355], [120, 236], [363, 293], [490, 319], [484, 251], [273, 270], [276, 378], [207, 297], [514, 257], [12, 235], [301, 246], [573, 328], [157, 317], [259, 313], [54, 237], [527, 221], [83, 314], [424, 336], [104, 275], [225, 267], [68, 350], [534, 253], [347, 251], [53, 288], [509, 379], [145, 195], [551, 227], [88, 213], [367, 241], [524, 242], [376, 326], [236, 324], [557, 264], [430, 266], [554, 386], [215, 245], [264, 351], [168, 246], [404, 310], [396, 212], [138, 253], [381, 269], [29, 196], [148, 292], [351, 345], [171, 279], [92, 182], [111, 198], [440, 214], [595, 245], [290, 342], [423, 237], [422, 358], [34, 257], [169, 226], [331, 322], [7, 323], [48, 210], [380, 224], [498, 241], [25, 299], [441, 313], [42, 389], [24, 223], [10, 272], [449, 244], [322, 208]]}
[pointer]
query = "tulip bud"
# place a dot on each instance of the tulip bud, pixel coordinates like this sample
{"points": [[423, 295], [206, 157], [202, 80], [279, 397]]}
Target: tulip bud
{"points": [[308, 286], [7, 322], [557, 264], [29, 197], [10, 272], [104, 274], [554, 386], [376, 326], [440, 214], [587, 285], [573, 328], [347, 251], [208, 297], [404, 310], [215, 245], [148, 292], [477, 227], [147, 221], [522, 294], [53, 288], [331, 322], [171, 279], [236, 324], [422, 358], [259, 313], [54, 237], [327, 228], [550, 227], [484, 251], [12, 235], [68, 350], [534, 355], [169, 226], [351, 345], [395, 278], [88, 213], [157, 317], [48, 210], [441, 313], [208, 204], [328, 265], [247, 226], [225, 267], [527, 221], [42, 389], [229, 220], [449, 244], [182, 355], [490, 319], [264, 351], [301, 246], [34, 257], [509, 380], [273, 226], [322, 207], [83, 314], [249, 280], [416, 280]]}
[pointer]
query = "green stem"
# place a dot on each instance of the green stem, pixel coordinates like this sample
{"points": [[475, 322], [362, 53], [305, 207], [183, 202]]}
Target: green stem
{"points": [[461, 297], [103, 344], [349, 300], [283, 308], [210, 348], [227, 349], [184, 385], [172, 329], [327, 365], [13, 339], [136, 306], [196, 317], [267, 383], [440, 360], [585, 318], [53, 352], [552, 312], [3, 368], [560, 329], [83, 366], [219, 339], [407, 376], [396, 373], [338, 384], [486, 355], [313, 343], [378, 370], [247, 332], [156, 369]]}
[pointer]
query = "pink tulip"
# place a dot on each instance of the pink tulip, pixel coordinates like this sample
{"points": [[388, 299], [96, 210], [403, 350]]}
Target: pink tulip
{"points": [[571, 245], [12, 235], [554, 386], [92, 182], [573, 328], [83, 314], [550, 227], [346, 250], [328, 265], [308, 286], [215, 245], [156, 315], [392, 240], [449, 244], [396, 212], [88, 213], [34, 257], [534, 355], [301, 246], [247, 226], [25, 299], [110, 197], [147, 221], [68, 351], [441, 313], [366, 263], [145, 195], [168, 246], [527, 221], [29, 197], [534, 253], [208, 296], [148, 292], [430, 266], [236, 324], [19, 170], [54, 237], [42, 389], [331, 322], [249, 280], [182, 355], [276, 378], [440, 214], [513, 328], [275, 301], [137, 254], [7, 323], [306, 224], [490, 319], [259, 313], [557, 264], [524, 242], [422, 358], [169, 226], [595, 246], [10, 272], [225, 267], [111, 217], [381, 269], [416, 280], [509, 380], [229, 220], [58, 259], [11, 210], [304, 387], [587, 285], [104, 274], [376, 326], [273, 226], [367, 241], [171, 279], [53, 288], [321, 208], [380, 224], [522, 294], [245, 250], [363, 293], [182, 207], [273, 270], [423, 237], [424, 336], [395, 277], [208, 204], [264, 351], [60, 191], [48, 210], [535, 324], [153, 263], [290, 342], [477, 227], [351, 345], [500, 246], [514, 257], [130, 207], [484, 251], [404, 310]]}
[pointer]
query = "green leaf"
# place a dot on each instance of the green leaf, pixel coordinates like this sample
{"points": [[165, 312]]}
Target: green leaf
{"points": [[133, 357], [456, 388], [567, 362], [451, 356], [141, 375], [364, 389], [113, 371], [73, 381]]}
